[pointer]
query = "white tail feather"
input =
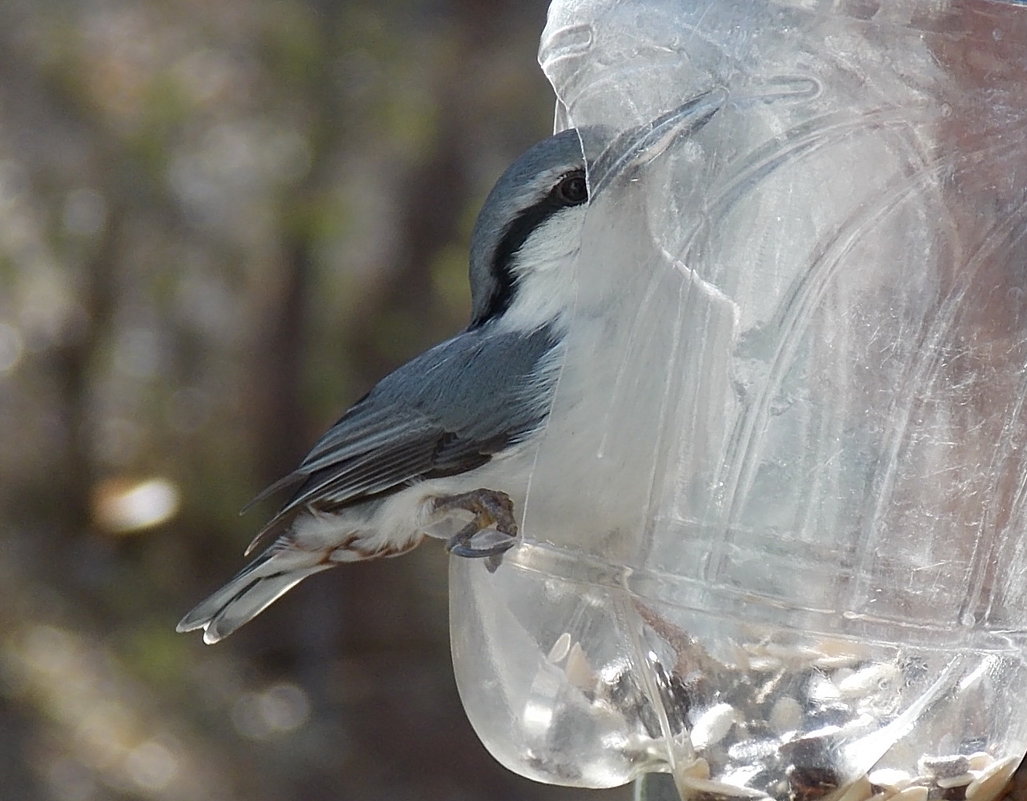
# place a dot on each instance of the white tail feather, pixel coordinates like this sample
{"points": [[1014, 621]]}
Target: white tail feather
{"points": [[256, 587]]}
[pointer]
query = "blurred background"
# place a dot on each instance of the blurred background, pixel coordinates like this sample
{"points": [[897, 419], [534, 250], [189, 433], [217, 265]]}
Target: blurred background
{"points": [[220, 223]]}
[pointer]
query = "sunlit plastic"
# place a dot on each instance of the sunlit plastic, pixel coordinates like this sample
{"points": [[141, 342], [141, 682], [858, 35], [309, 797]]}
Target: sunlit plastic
{"points": [[798, 567]]}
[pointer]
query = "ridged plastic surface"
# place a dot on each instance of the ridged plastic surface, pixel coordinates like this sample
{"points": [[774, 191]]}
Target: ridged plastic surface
{"points": [[793, 563]]}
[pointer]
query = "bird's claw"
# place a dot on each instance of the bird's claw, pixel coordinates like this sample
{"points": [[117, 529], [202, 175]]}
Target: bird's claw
{"points": [[491, 509], [460, 544]]}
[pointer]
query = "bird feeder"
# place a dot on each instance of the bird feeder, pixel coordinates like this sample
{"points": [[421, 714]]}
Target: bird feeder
{"points": [[795, 564]]}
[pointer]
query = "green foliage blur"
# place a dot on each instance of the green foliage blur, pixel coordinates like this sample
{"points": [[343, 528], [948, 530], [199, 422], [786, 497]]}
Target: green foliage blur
{"points": [[220, 223]]}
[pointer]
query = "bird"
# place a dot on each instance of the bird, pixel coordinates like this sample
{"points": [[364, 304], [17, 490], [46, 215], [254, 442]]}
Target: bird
{"points": [[451, 434]]}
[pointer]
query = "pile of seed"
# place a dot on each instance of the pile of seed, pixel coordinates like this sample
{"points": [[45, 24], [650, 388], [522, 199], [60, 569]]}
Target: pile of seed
{"points": [[774, 723], [973, 777]]}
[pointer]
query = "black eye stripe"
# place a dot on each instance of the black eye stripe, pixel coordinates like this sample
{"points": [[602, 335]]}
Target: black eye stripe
{"points": [[516, 234], [514, 237]]}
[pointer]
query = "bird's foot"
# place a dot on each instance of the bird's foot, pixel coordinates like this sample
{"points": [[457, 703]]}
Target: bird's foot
{"points": [[491, 509]]}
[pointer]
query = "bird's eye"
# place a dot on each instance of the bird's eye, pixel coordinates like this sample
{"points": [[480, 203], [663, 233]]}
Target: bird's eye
{"points": [[572, 189]]}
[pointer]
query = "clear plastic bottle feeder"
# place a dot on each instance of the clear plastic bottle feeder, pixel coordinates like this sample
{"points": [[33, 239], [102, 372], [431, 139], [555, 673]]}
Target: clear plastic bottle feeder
{"points": [[796, 564]]}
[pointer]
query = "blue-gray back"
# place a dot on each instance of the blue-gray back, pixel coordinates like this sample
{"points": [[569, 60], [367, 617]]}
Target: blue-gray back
{"points": [[447, 411]]}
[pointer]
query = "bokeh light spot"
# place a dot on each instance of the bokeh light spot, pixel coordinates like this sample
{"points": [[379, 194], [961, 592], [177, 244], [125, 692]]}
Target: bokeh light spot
{"points": [[122, 507], [151, 766], [279, 709]]}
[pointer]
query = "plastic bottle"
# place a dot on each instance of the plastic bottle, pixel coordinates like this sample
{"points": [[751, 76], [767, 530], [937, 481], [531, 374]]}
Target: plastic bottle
{"points": [[822, 325]]}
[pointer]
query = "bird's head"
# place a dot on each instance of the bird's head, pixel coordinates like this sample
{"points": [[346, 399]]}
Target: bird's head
{"points": [[529, 230]]}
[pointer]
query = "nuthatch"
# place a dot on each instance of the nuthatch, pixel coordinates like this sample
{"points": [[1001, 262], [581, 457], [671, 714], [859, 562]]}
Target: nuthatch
{"points": [[457, 427]]}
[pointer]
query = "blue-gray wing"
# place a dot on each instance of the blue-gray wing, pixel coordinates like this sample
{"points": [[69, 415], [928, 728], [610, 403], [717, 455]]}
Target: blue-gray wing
{"points": [[445, 412]]}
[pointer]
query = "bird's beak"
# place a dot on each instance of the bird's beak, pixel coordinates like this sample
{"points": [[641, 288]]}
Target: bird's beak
{"points": [[636, 147]]}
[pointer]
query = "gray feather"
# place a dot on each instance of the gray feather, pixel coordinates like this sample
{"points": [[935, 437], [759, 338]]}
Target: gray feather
{"points": [[261, 579], [445, 412]]}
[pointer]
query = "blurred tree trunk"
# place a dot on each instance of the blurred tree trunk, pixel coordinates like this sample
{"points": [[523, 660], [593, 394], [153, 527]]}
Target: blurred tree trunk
{"points": [[278, 361], [74, 363]]}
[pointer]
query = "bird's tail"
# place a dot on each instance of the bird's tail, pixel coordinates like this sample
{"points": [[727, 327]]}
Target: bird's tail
{"points": [[257, 586]]}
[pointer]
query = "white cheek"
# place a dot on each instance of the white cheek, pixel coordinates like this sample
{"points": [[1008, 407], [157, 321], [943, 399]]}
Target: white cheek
{"points": [[544, 265], [553, 243]]}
